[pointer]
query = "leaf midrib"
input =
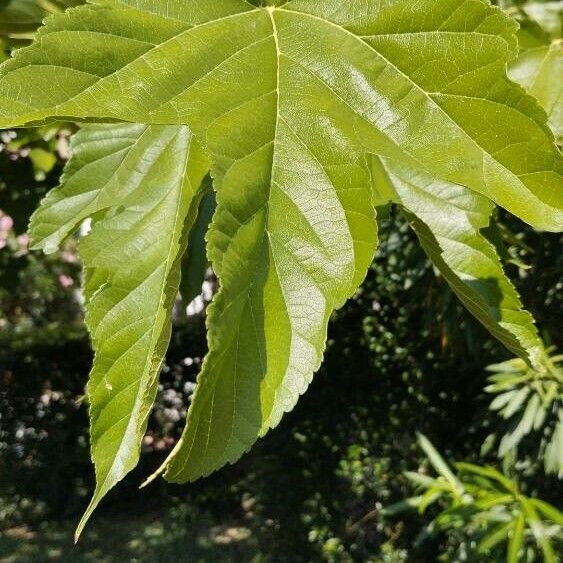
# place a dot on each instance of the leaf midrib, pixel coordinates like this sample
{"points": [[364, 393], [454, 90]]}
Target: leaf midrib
{"points": [[134, 414], [266, 208]]}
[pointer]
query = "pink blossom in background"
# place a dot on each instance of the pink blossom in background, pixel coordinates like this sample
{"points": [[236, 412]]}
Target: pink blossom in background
{"points": [[66, 281], [69, 257], [6, 223]]}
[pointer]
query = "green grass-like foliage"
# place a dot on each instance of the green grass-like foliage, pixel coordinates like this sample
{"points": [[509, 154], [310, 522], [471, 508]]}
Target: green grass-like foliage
{"points": [[529, 401], [306, 114], [492, 518]]}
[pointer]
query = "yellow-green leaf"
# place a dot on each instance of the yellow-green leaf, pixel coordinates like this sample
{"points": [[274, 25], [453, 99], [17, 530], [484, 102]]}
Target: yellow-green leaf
{"points": [[449, 221], [138, 184]]}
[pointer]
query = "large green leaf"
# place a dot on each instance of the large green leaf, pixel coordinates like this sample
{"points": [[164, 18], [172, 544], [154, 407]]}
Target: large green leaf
{"points": [[288, 245], [449, 221], [422, 81], [287, 99], [139, 184]]}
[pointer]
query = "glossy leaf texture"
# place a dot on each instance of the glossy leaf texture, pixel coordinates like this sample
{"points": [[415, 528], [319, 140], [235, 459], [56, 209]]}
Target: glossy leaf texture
{"points": [[424, 82], [449, 221], [138, 184]]}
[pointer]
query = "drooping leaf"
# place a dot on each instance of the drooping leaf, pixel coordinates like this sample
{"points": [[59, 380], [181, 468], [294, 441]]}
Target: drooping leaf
{"points": [[138, 184], [288, 245], [287, 98], [449, 221]]}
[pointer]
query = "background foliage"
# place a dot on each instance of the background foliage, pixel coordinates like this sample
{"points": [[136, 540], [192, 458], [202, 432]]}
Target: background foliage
{"points": [[403, 357]]}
